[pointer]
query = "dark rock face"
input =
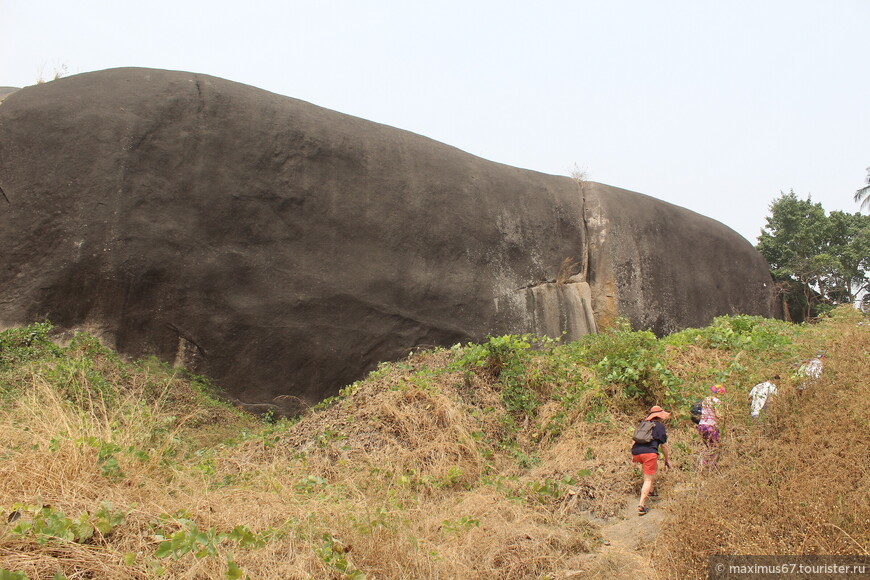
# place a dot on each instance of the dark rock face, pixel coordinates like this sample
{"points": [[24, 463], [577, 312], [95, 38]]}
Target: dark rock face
{"points": [[6, 91], [285, 249]]}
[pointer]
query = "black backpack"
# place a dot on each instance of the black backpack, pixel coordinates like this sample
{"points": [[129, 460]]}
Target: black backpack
{"points": [[644, 432], [695, 412]]}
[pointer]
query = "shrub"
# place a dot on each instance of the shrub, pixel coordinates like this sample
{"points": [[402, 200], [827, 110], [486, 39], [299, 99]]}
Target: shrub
{"points": [[633, 361], [28, 343], [742, 332], [505, 358]]}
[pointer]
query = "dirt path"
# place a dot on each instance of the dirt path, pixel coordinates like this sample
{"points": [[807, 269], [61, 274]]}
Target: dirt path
{"points": [[629, 540]]}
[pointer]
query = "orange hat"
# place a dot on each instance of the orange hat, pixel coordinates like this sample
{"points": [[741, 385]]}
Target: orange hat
{"points": [[657, 413]]}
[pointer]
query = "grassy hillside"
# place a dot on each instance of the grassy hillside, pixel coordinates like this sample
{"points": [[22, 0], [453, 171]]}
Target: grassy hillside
{"points": [[497, 460]]}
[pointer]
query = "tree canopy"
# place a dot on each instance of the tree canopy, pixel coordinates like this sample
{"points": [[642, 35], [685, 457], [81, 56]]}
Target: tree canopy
{"points": [[821, 260]]}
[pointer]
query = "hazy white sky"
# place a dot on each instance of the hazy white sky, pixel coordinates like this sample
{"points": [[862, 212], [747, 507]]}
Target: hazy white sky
{"points": [[714, 106]]}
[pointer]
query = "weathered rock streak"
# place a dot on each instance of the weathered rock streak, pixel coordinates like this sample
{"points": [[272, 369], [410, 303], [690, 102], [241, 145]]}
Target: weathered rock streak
{"points": [[285, 249]]}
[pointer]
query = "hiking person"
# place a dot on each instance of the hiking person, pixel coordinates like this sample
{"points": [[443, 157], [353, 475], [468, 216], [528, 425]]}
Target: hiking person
{"points": [[812, 370], [759, 396], [708, 427], [645, 451]]}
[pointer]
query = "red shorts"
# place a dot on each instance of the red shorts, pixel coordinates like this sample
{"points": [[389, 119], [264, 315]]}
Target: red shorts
{"points": [[650, 462]]}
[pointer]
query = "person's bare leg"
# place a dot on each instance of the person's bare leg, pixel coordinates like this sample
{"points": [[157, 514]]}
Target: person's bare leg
{"points": [[645, 490]]}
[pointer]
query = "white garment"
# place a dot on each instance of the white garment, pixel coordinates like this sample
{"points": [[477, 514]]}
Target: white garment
{"points": [[759, 394], [813, 371]]}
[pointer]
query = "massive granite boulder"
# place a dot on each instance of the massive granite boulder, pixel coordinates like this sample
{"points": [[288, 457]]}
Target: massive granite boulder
{"points": [[6, 91], [285, 249]]}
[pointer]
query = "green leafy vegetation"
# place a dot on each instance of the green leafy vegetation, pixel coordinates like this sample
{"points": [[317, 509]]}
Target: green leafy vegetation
{"points": [[46, 524], [483, 460], [820, 260]]}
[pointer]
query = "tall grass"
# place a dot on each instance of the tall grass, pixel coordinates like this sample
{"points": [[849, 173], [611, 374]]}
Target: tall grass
{"points": [[796, 482], [482, 461]]}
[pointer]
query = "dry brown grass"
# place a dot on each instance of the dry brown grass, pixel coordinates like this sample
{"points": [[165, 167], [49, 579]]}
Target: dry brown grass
{"points": [[416, 474], [389, 478], [405, 460], [568, 268], [794, 484]]}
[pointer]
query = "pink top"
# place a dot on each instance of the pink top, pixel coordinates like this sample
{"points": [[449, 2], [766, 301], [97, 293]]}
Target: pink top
{"points": [[708, 411]]}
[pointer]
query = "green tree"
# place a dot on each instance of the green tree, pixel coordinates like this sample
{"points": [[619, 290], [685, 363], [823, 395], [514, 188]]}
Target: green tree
{"points": [[819, 260], [791, 242], [847, 255]]}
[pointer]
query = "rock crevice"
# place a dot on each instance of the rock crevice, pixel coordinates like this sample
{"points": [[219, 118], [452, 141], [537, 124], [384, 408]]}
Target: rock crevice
{"points": [[297, 247]]}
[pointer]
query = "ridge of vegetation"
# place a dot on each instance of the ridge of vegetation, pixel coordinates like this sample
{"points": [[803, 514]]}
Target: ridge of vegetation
{"points": [[496, 459]]}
